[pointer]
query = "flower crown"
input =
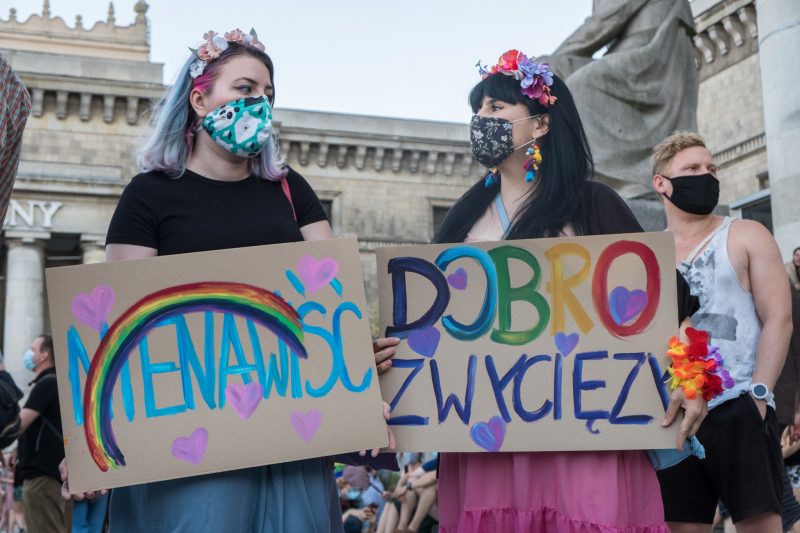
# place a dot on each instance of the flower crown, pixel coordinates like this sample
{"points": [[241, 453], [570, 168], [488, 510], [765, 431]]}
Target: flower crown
{"points": [[216, 44], [534, 77]]}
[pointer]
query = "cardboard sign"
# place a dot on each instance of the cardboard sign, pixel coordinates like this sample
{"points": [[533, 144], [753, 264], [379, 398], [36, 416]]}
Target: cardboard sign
{"points": [[547, 344], [213, 361]]}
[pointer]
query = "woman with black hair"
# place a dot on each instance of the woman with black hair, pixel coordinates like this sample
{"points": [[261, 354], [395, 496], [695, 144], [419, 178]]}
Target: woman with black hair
{"points": [[527, 131]]}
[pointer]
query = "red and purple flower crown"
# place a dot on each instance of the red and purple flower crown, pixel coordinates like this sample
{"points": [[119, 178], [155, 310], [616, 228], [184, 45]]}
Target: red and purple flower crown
{"points": [[215, 44], [534, 77]]}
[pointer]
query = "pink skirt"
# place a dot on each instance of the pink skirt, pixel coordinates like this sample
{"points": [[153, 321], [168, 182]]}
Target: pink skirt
{"points": [[582, 492]]}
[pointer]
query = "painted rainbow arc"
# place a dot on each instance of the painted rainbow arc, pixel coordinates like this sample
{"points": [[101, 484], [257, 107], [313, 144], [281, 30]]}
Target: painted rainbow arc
{"points": [[257, 304]]}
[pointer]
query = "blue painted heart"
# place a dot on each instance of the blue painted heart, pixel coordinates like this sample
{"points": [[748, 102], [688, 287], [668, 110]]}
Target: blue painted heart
{"points": [[424, 341], [566, 343], [489, 435], [626, 305], [458, 279]]}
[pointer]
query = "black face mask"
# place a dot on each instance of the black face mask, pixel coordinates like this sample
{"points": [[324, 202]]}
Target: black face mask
{"points": [[698, 195], [491, 139]]}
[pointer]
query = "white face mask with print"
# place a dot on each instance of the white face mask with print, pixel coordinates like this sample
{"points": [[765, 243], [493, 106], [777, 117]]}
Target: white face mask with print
{"points": [[242, 126]]}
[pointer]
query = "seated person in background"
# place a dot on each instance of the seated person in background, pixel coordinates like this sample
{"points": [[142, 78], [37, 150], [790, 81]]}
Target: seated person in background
{"points": [[370, 489], [790, 449], [359, 520], [391, 513], [413, 502]]}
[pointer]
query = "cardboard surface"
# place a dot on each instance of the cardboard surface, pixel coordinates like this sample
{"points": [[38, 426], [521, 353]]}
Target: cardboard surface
{"points": [[547, 344], [199, 360]]}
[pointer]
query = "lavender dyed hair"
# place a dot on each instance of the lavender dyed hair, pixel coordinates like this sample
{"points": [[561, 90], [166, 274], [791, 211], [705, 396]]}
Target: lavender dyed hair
{"points": [[175, 123]]}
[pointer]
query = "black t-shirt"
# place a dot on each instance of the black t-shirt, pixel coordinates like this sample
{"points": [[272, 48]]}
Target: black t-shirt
{"points": [[606, 213], [41, 447], [195, 214]]}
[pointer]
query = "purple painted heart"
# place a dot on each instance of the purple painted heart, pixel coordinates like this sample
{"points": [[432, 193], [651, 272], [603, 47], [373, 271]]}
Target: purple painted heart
{"points": [[566, 343], [306, 424], [93, 308], [191, 449], [244, 398], [626, 305], [458, 279], [424, 341], [314, 273], [489, 435]]}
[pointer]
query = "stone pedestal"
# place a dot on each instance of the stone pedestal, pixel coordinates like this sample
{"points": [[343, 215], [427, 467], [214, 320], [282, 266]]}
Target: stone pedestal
{"points": [[778, 43], [24, 306]]}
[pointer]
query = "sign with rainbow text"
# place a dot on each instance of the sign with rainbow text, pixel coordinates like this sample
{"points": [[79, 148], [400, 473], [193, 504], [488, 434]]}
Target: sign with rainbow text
{"points": [[197, 363], [546, 344]]}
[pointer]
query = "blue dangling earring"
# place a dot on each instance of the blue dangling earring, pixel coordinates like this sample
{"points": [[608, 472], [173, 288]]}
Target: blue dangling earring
{"points": [[532, 163], [491, 178]]}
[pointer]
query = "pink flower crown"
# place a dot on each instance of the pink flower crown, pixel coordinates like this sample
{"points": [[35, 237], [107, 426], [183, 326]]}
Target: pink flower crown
{"points": [[215, 44], [534, 77]]}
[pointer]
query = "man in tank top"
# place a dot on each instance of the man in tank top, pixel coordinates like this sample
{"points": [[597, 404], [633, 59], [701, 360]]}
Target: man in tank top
{"points": [[735, 268]]}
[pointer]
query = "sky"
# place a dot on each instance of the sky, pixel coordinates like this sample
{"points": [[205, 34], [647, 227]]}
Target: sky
{"points": [[411, 59]]}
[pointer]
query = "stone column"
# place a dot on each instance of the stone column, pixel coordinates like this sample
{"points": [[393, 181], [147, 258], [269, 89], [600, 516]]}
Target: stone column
{"points": [[778, 44], [24, 306], [94, 250]]}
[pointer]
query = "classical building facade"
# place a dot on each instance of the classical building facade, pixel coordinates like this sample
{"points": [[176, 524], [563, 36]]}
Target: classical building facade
{"points": [[739, 110], [730, 113], [386, 181]]}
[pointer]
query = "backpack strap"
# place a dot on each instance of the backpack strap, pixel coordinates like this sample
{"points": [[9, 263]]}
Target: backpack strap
{"points": [[288, 193], [52, 427]]}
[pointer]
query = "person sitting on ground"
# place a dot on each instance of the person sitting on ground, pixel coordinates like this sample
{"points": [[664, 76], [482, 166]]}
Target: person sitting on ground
{"points": [[418, 497], [390, 516]]}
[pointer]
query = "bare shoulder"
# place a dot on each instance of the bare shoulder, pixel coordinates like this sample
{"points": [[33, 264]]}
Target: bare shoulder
{"points": [[750, 235]]}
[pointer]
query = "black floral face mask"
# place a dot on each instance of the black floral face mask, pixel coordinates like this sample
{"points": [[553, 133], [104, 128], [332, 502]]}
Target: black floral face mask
{"points": [[491, 140]]}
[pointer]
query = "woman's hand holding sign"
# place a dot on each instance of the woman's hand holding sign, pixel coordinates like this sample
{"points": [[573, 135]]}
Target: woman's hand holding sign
{"points": [[384, 349], [62, 469]]}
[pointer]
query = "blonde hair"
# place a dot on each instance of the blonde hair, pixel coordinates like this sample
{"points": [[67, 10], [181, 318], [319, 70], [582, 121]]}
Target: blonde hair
{"points": [[671, 146]]}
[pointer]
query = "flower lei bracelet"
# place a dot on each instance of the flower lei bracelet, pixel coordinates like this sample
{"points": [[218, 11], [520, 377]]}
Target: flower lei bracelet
{"points": [[697, 367]]}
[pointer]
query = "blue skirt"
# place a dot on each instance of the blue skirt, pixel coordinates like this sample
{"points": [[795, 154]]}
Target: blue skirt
{"points": [[296, 496]]}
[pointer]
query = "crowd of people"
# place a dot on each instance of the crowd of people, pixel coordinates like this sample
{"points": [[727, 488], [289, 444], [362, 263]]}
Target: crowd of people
{"points": [[202, 168]]}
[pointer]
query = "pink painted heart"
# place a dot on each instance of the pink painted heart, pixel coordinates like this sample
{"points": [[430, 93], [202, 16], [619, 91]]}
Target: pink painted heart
{"points": [[489, 435], [424, 341], [306, 424], [191, 449], [566, 343], [458, 279], [92, 309], [244, 398], [626, 305], [314, 273]]}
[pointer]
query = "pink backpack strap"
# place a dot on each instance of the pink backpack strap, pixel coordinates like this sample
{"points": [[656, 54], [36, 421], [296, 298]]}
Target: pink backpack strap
{"points": [[288, 193]]}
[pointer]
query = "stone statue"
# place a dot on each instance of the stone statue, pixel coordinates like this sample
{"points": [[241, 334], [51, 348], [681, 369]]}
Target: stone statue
{"points": [[640, 90]]}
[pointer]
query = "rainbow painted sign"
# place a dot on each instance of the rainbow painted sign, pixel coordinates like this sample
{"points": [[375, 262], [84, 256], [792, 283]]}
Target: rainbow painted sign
{"points": [[198, 363], [547, 344]]}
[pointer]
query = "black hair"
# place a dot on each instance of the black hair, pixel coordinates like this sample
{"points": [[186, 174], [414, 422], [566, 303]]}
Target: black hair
{"points": [[557, 199], [47, 345]]}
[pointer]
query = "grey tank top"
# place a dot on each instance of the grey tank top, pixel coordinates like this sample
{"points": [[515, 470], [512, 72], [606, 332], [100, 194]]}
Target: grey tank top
{"points": [[727, 311]]}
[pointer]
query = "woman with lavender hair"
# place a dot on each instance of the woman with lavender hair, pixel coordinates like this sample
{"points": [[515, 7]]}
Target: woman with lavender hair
{"points": [[212, 179]]}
